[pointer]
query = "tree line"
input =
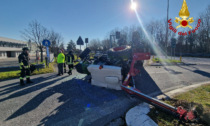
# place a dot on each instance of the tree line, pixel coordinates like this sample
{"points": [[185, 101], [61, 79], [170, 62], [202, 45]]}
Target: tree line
{"points": [[195, 43], [36, 32]]}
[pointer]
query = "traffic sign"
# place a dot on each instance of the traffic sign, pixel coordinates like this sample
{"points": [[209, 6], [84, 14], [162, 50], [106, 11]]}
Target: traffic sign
{"points": [[80, 41], [46, 42], [86, 40], [173, 43], [117, 35]]}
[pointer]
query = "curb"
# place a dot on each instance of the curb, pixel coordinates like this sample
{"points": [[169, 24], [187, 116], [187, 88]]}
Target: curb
{"points": [[138, 115], [181, 90]]}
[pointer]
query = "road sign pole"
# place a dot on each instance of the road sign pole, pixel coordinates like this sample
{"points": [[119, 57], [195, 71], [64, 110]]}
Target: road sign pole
{"points": [[174, 52], [110, 44], [47, 43], [48, 53]]}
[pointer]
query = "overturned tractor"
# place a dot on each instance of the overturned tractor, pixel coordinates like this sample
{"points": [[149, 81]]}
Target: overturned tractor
{"points": [[117, 69]]}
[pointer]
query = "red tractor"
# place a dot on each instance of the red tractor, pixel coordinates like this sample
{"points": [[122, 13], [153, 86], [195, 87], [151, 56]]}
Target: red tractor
{"points": [[116, 71]]}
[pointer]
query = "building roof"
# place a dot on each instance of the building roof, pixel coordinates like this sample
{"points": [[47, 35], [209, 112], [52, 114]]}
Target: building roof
{"points": [[3, 49], [12, 40]]}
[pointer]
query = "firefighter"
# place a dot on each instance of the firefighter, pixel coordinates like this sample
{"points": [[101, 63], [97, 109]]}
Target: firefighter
{"points": [[24, 66], [60, 61], [69, 61]]}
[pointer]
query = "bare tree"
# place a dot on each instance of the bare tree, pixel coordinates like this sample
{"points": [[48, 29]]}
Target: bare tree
{"points": [[95, 45], [105, 44], [180, 43], [36, 33], [57, 41]]}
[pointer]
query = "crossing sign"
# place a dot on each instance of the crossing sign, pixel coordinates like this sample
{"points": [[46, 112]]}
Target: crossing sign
{"points": [[80, 41], [46, 42]]}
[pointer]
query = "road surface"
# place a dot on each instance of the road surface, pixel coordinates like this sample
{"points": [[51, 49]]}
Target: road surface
{"points": [[13, 62], [70, 100]]}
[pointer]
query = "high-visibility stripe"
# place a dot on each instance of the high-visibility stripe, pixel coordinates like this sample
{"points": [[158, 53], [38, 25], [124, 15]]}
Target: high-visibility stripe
{"points": [[27, 76], [70, 59], [70, 62], [21, 78], [20, 67], [21, 63], [26, 66]]}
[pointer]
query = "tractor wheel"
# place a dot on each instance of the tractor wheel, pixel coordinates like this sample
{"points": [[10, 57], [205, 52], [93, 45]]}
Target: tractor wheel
{"points": [[122, 52], [85, 53]]}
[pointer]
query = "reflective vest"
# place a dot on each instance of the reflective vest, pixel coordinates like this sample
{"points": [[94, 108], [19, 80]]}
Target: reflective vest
{"points": [[24, 60], [69, 60], [61, 58]]}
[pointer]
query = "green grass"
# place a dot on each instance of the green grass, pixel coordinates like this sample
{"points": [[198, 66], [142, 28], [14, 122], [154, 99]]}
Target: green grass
{"points": [[49, 69], [200, 95], [198, 98], [14, 74], [10, 74], [165, 60]]}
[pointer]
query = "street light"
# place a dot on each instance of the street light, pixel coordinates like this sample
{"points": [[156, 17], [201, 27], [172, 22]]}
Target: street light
{"points": [[166, 41]]}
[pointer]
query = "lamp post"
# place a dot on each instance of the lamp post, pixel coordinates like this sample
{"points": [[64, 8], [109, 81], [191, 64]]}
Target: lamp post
{"points": [[166, 41], [111, 36]]}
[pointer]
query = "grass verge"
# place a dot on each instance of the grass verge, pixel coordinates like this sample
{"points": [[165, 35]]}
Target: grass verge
{"points": [[165, 60], [197, 99], [14, 74]]}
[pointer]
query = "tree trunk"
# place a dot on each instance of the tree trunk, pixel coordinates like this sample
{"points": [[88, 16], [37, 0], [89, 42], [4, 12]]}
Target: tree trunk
{"points": [[41, 54]]}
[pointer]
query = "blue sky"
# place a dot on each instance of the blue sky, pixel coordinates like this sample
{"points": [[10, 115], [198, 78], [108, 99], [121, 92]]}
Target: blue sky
{"points": [[86, 18]]}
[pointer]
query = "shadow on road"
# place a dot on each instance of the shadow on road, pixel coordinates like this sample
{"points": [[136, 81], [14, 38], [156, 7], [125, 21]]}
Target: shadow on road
{"points": [[197, 71], [146, 84], [8, 85], [31, 88], [17, 86], [171, 71], [203, 73], [77, 96]]}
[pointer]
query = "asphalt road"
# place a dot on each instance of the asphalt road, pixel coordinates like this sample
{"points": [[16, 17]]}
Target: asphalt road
{"points": [[160, 79], [70, 100], [63, 100], [13, 62]]}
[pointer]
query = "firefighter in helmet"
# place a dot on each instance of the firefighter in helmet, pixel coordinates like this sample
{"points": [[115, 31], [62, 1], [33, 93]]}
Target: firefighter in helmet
{"points": [[69, 61], [24, 66]]}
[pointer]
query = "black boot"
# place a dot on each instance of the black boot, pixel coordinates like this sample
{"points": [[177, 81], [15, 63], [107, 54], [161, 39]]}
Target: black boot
{"points": [[22, 82], [69, 73], [28, 81]]}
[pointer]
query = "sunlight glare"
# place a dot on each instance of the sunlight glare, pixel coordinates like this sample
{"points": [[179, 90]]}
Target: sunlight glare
{"points": [[133, 5]]}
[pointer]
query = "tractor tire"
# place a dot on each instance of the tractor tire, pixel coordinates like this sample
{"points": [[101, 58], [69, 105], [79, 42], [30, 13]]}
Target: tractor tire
{"points": [[122, 52], [82, 68]]}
